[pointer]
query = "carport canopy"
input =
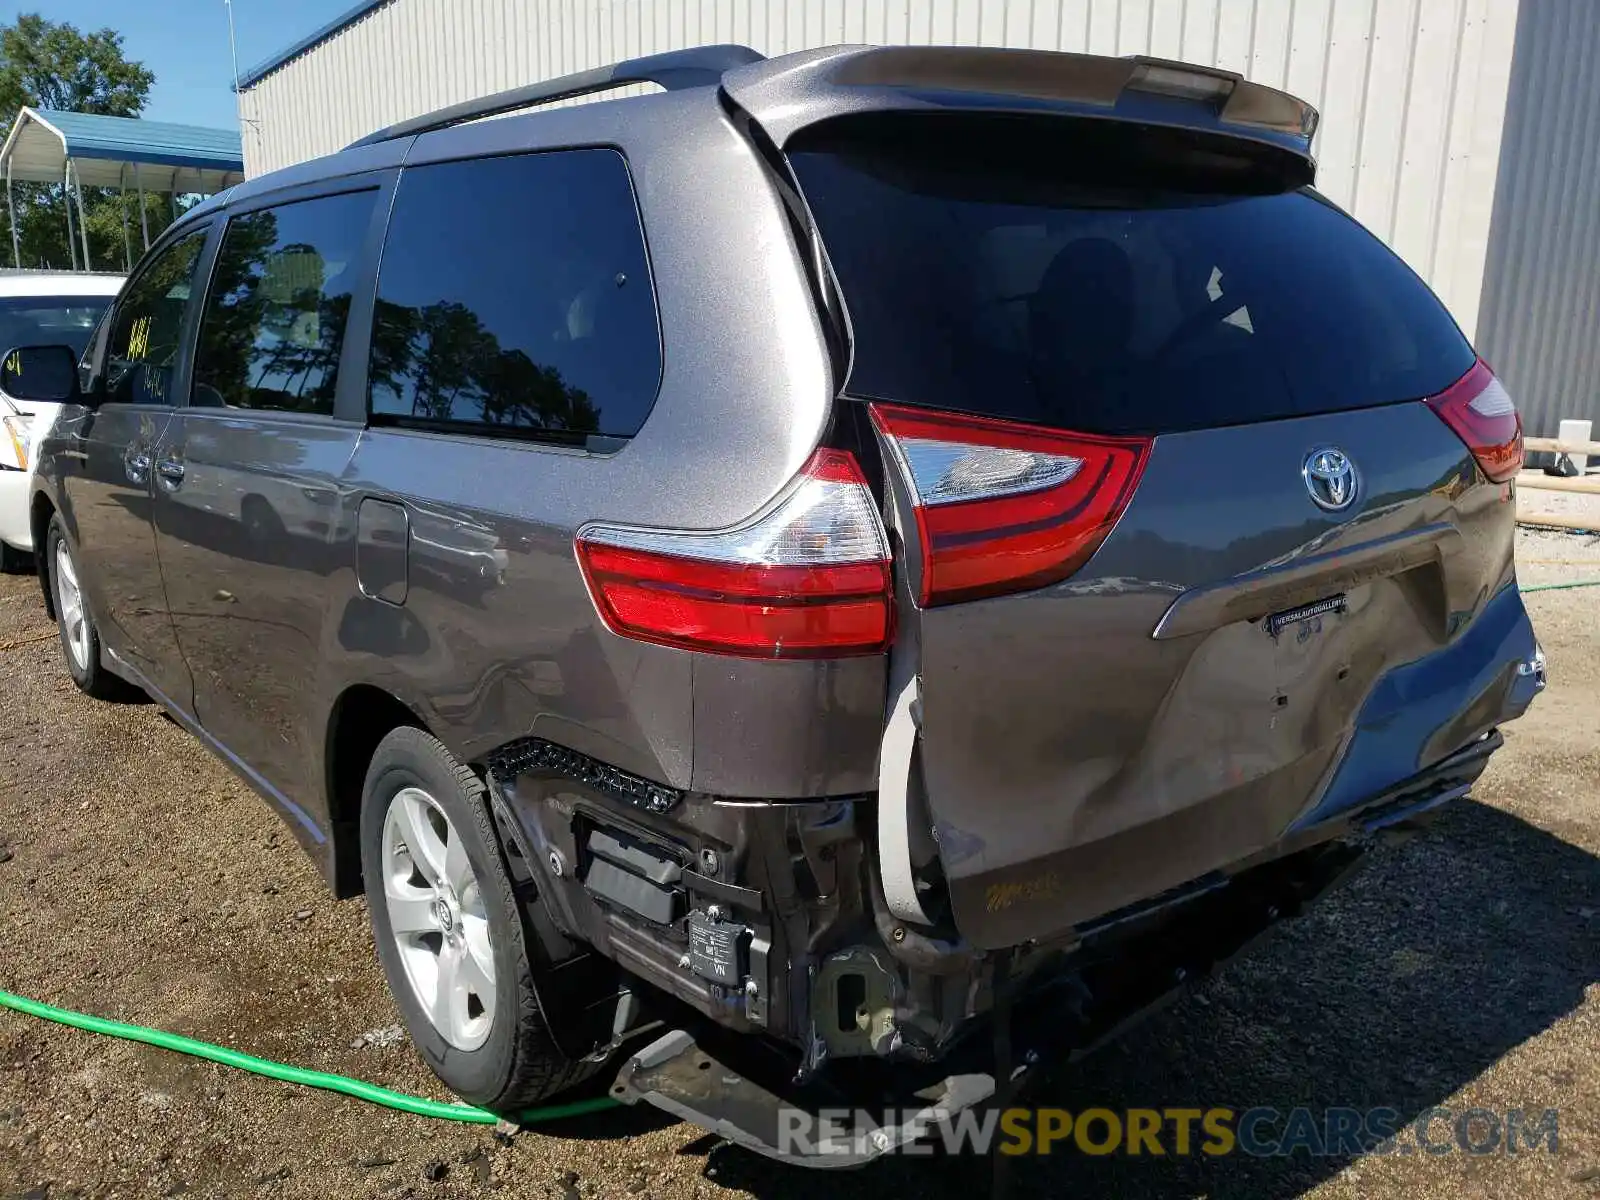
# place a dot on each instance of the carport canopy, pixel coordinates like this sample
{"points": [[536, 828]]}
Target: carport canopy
{"points": [[77, 149]]}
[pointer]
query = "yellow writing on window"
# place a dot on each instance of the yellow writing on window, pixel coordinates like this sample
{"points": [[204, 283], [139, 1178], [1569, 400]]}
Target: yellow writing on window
{"points": [[139, 338]]}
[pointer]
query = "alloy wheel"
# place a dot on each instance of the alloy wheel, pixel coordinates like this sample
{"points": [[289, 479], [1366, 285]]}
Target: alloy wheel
{"points": [[69, 605], [437, 918]]}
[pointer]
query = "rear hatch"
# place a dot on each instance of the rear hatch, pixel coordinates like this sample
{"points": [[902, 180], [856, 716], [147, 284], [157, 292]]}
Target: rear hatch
{"points": [[1202, 500]]}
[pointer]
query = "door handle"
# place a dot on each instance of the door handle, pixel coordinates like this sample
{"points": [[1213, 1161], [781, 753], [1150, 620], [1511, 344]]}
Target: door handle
{"points": [[170, 472], [136, 464]]}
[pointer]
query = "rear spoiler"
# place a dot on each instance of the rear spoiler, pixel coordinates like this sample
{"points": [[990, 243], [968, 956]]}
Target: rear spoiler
{"points": [[790, 93]]}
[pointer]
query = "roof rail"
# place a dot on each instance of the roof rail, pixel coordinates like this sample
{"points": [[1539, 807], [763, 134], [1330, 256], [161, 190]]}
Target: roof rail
{"points": [[698, 66]]}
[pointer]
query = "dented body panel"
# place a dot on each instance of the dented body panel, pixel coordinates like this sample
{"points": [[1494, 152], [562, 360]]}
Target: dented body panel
{"points": [[1144, 724]]}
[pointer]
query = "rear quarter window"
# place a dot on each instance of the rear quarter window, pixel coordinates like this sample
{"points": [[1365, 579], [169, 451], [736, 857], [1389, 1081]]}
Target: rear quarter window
{"points": [[1057, 271], [514, 297]]}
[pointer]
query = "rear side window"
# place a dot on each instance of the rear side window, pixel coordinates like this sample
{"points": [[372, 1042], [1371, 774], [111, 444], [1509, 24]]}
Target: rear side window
{"points": [[274, 320], [1061, 272], [514, 297]]}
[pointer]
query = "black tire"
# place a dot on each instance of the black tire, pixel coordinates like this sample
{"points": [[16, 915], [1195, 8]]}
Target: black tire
{"points": [[14, 561], [519, 1064], [91, 675]]}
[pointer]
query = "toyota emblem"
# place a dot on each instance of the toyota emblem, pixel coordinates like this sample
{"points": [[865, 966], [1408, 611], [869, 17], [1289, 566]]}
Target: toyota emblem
{"points": [[1330, 478]]}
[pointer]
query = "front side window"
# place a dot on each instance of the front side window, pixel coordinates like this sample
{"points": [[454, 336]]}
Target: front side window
{"points": [[149, 325], [514, 297], [274, 319]]}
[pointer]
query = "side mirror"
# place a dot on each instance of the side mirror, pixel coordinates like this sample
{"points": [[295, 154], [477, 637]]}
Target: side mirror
{"points": [[44, 373]]}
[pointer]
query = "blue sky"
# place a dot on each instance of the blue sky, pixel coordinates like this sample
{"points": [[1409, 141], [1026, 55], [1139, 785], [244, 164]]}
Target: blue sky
{"points": [[185, 42]]}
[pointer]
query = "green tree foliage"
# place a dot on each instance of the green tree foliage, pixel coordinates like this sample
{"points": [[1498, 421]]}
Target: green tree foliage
{"points": [[51, 64], [55, 65]]}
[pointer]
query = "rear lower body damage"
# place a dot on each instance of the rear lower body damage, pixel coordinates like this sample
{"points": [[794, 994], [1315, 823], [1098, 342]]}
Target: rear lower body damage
{"points": [[723, 919]]}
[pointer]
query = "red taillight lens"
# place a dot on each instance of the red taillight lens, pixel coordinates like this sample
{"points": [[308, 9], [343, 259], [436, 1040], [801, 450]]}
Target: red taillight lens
{"points": [[808, 579], [1482, 414], [761, 612], [1004, 507]]}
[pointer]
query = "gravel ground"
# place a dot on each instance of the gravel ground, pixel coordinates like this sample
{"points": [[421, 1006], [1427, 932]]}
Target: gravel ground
{"points": [[141, 881]]}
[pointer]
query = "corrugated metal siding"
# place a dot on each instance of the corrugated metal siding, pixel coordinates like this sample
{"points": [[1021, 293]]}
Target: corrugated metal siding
{"points": [[1541, 306], [1412, 92]]}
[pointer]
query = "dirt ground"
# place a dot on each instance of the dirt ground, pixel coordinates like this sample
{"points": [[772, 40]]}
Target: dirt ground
{"points": [[140, 880]]}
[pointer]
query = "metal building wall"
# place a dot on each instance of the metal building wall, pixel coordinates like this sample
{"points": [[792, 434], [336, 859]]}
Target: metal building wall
{"points": [[1541, 295], [1412, 92]]}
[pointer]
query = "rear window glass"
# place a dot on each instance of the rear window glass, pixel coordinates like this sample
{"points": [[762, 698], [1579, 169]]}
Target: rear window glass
{"points": [[1056, 272]]}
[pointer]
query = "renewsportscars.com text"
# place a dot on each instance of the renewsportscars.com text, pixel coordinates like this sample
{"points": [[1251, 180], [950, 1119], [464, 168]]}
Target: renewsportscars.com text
{"points": [[1261, 1132]]}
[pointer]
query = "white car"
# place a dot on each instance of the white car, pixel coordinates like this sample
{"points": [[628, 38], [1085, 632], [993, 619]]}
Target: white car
{"points": [[37, 308]]}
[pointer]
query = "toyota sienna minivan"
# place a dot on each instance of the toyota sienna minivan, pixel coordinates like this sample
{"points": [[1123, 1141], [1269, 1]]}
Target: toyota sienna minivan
{"points": [[873, 565]]}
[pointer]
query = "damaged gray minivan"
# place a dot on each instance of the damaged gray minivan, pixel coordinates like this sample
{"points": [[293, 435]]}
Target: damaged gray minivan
{"points": [[877, 564]]}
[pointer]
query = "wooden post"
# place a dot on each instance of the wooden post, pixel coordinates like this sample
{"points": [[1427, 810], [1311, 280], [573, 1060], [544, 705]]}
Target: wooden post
{"points": [[1557, 446], [1538, 481], [1547, 520]]}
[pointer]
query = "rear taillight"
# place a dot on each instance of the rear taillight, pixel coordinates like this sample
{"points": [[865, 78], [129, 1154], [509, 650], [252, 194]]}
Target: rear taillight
{"points": [[809, 578], [1483, 415], [1003, 507]]}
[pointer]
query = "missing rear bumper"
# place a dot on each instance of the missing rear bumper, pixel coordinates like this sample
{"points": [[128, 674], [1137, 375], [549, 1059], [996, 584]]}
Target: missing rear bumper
{"points": [[674, 1073], [860, 1110]]}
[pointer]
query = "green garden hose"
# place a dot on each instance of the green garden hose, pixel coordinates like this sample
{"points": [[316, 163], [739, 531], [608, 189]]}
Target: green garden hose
{"points": [[361, 1090], [1560, 587]]}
